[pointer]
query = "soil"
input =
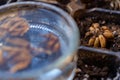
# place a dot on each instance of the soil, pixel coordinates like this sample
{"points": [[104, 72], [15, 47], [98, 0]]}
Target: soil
{"points": [[95, 66], [102, 4], [96, 3]]}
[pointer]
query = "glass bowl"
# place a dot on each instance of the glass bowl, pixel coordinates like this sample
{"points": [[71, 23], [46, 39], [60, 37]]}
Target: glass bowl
{"points": [[43, 16]]}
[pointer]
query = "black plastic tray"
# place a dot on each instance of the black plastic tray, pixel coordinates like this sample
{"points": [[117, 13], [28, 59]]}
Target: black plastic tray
{"points": [[96, 56]]}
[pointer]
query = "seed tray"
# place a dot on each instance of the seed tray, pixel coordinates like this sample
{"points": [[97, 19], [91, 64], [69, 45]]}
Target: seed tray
{"points": [[98, 63]]}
